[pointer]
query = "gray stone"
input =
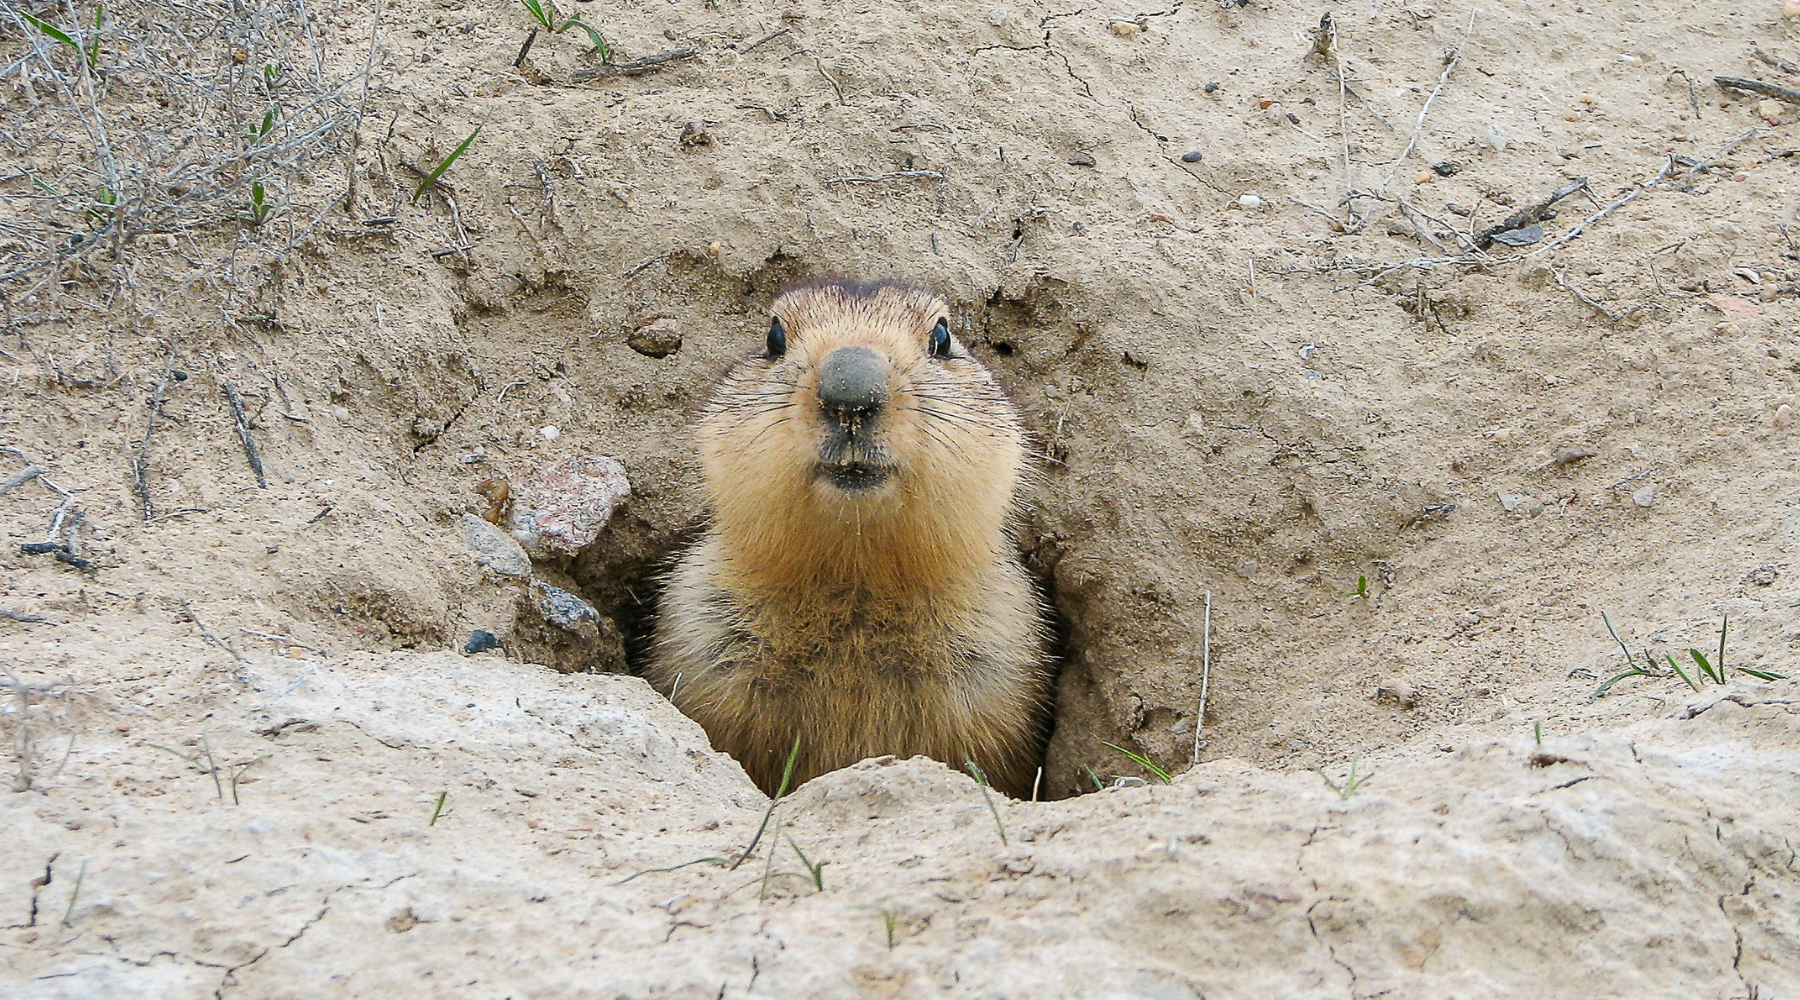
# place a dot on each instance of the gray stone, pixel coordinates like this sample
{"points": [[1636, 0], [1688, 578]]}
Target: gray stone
{"points": [[495, 550]]}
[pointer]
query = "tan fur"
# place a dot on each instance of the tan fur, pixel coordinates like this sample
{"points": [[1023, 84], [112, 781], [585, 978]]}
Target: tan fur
{"points": [[895, 621]]}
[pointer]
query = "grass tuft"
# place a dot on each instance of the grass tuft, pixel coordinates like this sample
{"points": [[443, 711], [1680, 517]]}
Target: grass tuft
{"points": [[1705, 669], [1348, 787]]}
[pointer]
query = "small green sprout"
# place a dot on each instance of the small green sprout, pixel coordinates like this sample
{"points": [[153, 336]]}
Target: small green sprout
{"points": [[438, 171], [1349, 785], [551, 19]]}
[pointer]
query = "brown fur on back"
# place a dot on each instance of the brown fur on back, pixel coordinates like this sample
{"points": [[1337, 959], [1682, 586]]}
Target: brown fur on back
{"points": [[895, 621]]}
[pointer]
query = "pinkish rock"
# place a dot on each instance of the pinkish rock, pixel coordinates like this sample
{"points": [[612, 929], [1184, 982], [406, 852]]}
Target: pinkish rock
{"points": [[562, 507]]}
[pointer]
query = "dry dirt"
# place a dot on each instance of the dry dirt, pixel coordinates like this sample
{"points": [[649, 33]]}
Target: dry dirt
{"points": [[251, 760]]}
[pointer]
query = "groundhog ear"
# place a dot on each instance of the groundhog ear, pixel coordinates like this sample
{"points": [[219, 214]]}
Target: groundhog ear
{"points": [[777, 338], [940, 339]]}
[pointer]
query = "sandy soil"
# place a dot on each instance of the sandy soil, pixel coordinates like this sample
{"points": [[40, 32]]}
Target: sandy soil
{"points": [[1224, 262]]}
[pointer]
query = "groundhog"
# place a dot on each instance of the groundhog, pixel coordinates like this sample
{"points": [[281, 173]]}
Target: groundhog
{"points": [[856, 587]]}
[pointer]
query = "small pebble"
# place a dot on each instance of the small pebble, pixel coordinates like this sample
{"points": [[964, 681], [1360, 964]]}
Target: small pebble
{"points": [[1125, 29], [1213, 87], [1249, 203], [656, 339], [1790, 8], [562, 608], [1768, 109], [1191, 157], [1784, 415], [1081, 158], [1459, 209], [550, 431], [1423, 178], [1645, 496], [1397, 692], [480, 641]]}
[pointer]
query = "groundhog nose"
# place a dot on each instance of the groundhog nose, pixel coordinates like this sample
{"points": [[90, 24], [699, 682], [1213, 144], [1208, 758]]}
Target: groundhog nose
{"points": [[853, 382]]}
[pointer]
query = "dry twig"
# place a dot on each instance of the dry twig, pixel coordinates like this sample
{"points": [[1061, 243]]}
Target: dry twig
{"points": [[1205, 680], [635, 67], [243, 429], [212, 637], [1780, 93]]}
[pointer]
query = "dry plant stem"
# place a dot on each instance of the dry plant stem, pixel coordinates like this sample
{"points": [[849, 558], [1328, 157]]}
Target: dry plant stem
{"points": [[290, 640], [1583, 296], [892, 175], [1721, 151], [635, 67], [20, 478], [212, 637], [140, 466], [1419, 127], [243, 427], [26, 617], [1605, 211], [1780, 64], [1641, 187], [771, 36], [1536, 213], [1780, 93], [830, 79], [1205, 680], [1693, 89]]}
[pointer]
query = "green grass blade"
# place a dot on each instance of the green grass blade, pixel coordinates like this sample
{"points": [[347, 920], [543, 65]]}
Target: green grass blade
{"points": [[438, 171], [982, 782], [52, 30], [1762, 675], [1724, 623], [1682, 673], [787, 775], [1706, 668], [1141, 761], [1615, 634], [593, 36], [1635, 671], [537, 11]]}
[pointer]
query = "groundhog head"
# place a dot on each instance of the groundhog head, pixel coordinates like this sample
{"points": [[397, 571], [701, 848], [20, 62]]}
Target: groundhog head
{"points": [[863, 414]]}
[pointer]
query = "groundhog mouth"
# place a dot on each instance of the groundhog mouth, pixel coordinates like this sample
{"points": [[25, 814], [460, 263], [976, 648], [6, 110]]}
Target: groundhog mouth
{"points": [[854, 477]]}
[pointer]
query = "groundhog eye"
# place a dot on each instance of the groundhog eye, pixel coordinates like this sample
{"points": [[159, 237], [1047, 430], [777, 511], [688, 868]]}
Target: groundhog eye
{"points": [[940, 339], [777, 338]]}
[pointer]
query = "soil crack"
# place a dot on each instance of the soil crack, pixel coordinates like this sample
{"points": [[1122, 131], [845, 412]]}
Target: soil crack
{"points": [[229, 980]]}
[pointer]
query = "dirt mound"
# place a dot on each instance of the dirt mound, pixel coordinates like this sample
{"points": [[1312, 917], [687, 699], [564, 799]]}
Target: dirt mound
{"points": [[1409, 341]]}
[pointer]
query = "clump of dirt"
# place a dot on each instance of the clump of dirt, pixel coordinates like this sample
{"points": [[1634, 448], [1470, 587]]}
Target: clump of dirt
{"points": [[1408, 342]]}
